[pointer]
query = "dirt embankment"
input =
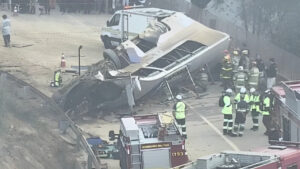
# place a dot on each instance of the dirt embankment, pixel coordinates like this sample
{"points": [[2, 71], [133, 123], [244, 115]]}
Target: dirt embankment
{"points": [[29, 135]]}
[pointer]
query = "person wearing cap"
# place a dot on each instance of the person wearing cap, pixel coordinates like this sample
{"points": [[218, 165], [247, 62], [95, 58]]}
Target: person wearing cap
{"points": [[271, 74], [242, 107], [179, 109], [240, 79], [253, 76], [6, 30], [227, 112], [226, 72], [236, 59], [245, 61], [265, 110], [254, 108]]}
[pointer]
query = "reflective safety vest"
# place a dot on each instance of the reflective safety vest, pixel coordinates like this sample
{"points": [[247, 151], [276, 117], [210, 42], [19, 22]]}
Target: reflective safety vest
{"points": [[240, 79], [203, 77], [226, 72], [255, 101], [57, 78], [266, 107], [227, 109], [180, 110], [238, 98], [253, 77]]}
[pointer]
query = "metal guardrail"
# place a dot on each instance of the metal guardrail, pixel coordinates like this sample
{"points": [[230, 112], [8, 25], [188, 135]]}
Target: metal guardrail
{"points": [[81, 140]]}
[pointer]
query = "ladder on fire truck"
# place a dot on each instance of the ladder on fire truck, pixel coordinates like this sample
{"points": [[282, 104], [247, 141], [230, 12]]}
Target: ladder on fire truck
{"points": [[136, 156]]}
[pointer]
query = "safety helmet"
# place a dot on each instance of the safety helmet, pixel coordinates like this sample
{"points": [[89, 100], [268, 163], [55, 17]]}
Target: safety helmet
{"points": [[179, 97], [227, 57], [228, 90], [236, 52], [243, 90], [240, 68], [203, 69], [245, 52], [268, 91], [252, 90], [254, 62], [226, 51]]}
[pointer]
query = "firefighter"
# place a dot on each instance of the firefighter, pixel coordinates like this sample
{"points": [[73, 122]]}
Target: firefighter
{"points": [[245, 61], [57, 78], [226, 72], [242, 95], [236, 60], [265, 110], [240, 118], [253, 76], [203, 81], [227, 111], [180, 109], [254, 107], [240, 79]]}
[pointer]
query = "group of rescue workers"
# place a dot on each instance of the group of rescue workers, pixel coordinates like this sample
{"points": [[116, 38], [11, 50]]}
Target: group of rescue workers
{"points": [[246, 79], [249, 82]]}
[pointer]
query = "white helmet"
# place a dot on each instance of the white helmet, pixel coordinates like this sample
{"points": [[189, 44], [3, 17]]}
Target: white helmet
{"points": [[228, 90], [252, 90], [243, 90], [240, 68], [179, 97]]}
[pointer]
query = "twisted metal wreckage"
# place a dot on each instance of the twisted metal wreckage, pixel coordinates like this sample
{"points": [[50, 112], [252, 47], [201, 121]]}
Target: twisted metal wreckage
{"points": [[167, 47]]}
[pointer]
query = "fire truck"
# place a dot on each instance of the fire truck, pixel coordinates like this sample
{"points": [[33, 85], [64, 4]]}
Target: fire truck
{"points": [[280, 155], [286, 111], [150, 141]]}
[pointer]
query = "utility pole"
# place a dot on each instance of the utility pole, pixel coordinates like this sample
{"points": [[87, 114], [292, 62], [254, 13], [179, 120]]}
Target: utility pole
{"points": [[80, 47]]}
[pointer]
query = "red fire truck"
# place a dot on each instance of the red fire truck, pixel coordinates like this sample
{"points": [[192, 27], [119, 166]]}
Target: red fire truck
{"points": [[281, 155], [286, 111], [150, 141]]}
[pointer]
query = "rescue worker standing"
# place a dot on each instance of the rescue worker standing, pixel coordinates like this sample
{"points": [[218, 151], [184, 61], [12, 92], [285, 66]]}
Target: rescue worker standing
{"points": [[253, 76], [180, 109], [245, 61], [254, 108], [239, 107], [236, 60], [240, 79], [227, 72], [265, 110], [241, 111], [203, 81], [271, 74], [57, 78], [227, 111]]}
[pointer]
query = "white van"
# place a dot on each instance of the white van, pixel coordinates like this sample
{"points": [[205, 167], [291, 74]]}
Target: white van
{"points": [[127, 24]]}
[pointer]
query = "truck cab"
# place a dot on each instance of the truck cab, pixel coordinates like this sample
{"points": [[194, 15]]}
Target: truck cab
{"points": [[150, 141], [127, 24]]}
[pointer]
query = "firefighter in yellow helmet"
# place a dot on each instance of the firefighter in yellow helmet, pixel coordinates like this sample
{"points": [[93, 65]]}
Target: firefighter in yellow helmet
{"points": [[236, 59], [226, 72]]}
